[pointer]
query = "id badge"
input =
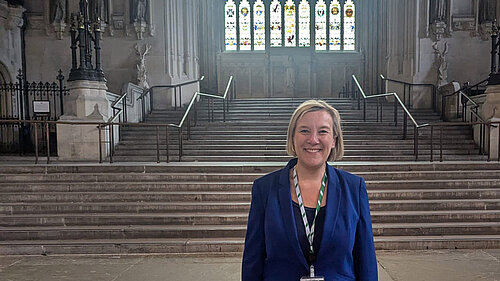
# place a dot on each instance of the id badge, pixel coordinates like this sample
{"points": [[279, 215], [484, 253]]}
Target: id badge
{"points": [[309, 278], [312, 277]]}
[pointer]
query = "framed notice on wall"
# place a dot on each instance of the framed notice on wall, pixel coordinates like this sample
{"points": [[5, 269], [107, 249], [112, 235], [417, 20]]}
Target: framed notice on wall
{"points": [[41, 107]]}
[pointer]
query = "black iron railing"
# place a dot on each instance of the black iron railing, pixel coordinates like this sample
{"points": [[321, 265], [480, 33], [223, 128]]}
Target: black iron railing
{"points": [[25, 100], [463, 98], [360, 95], [148, 95], [408, 91], [40, 127]]}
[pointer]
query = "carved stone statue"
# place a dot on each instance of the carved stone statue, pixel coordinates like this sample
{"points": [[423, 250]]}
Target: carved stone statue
{"points": [[442, 65], [141, 65], [59, 11], [140, 10]]}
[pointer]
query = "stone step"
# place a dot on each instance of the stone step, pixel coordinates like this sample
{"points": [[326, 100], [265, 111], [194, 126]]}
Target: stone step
{"points": [[273, 127], [231, 167], [223, 231], [268, 152], [346, 133], [201, 177], [446, 204], [237, 196], [202, 158], [256, 146], [226, 245], [368, 143], [152, 138], [160, 186], [228, 218], [228, 206]]}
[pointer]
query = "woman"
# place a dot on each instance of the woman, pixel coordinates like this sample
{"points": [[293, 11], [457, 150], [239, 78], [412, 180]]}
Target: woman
{"points": [[335, 203]]}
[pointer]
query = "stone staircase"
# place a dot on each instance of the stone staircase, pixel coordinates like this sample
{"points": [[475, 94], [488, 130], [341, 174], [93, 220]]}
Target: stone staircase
{"points": [[201, 207], [255, 130]]}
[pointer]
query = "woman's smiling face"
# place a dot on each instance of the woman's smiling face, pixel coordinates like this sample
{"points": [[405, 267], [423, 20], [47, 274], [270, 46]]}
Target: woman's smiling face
{"points": [[313, 138]]}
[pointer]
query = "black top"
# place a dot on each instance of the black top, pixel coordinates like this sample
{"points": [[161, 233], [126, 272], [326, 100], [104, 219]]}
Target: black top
{"points": [[318, 228]]}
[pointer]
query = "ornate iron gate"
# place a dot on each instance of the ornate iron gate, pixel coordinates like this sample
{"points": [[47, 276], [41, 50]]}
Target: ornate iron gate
{"points": [[25, 100]]}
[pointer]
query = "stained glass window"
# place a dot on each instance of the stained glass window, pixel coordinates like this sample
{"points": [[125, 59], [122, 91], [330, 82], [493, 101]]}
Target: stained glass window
{"points": [[304, 24], [249, 26], [259, 26], [275, 16], [230, 26], [290, 28], [245, 39], [335, 25], [320, 26], [349, 26]]}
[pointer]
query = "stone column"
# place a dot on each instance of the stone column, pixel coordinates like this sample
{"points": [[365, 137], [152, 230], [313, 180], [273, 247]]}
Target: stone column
{"points": [[87, 102]]}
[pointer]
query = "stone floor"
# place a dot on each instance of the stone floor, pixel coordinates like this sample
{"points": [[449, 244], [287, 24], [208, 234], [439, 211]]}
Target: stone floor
{"points": [[456, 265]]}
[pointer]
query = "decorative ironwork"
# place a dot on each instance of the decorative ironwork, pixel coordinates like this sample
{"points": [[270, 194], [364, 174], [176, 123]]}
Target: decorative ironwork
{"points": [[495, 56], [84, 33], [25, 100]]}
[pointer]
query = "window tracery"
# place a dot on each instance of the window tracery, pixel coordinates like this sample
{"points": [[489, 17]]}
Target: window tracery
{"points": [[256, 25]]}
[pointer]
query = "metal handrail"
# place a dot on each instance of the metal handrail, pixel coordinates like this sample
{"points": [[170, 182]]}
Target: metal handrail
{"points": [[385, 95], [407, 83], [174, 86], [101, 125], [170, 86], [194, 98], [461, 93], [416, 125], [467, 86], [45, 124], [482, 136], [120, 110], [434, 89], [196, 95]]}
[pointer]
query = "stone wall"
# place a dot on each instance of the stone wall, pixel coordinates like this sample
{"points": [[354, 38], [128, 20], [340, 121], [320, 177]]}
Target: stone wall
{"points": [[11, 22], [418, 44], [169, 27], [289, 72]]}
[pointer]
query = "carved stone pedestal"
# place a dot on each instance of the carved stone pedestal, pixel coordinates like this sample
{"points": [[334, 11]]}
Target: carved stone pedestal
{"points": [[450, 105], [491, 112], [87, 102], [494, 139]]}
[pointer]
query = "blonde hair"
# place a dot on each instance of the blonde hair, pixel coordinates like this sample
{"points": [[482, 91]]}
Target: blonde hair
{"points": [[311, 106]]}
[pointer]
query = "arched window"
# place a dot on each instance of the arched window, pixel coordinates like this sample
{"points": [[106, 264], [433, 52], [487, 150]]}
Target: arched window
{"points": [[259, 23], [320, 26], [334, 23], [335, 26], [304, 24], [290, 28], [349, 26], [276, 26], [244, 25], [230, 26]]}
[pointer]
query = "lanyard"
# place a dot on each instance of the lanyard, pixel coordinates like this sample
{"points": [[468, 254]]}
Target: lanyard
{"points": [[309, 231]]}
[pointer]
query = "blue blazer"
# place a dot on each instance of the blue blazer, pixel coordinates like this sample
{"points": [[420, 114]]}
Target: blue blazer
{"points": [[272, 248]]}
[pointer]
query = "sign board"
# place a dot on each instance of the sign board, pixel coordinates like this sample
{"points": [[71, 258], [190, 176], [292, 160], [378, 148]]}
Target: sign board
{"points": [[41, 107]]}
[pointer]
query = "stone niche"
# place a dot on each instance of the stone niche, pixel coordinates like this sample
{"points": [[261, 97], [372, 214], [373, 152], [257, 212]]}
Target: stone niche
{"points": [[288, 73]]}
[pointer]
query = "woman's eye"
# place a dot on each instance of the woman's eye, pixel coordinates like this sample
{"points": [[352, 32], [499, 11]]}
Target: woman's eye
{"points": [[304, 131], [323, 132]]}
